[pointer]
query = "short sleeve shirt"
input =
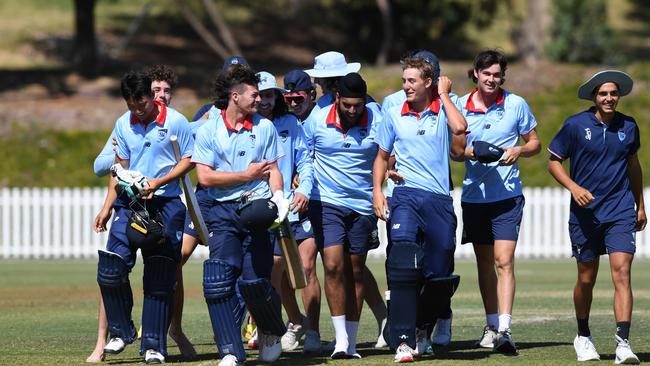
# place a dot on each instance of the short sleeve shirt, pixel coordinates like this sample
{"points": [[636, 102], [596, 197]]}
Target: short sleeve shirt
{"points": [[598, 156]]}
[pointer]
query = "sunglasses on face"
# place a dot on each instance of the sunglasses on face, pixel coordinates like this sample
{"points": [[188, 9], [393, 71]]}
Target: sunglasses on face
{"points": [[294, 99]]}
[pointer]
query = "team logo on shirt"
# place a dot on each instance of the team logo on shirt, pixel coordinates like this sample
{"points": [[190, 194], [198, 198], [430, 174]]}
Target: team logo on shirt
{"points": [[363, 132], [588, 134], [621, 136], [162, 133], [252, 140], [284, 135], [500, 113]]}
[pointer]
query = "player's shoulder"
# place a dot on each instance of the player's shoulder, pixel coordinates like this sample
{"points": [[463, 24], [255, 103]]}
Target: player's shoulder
{"points": [[175, 117], [125, 118], [627, 120], [579, 119], [514, 100]]}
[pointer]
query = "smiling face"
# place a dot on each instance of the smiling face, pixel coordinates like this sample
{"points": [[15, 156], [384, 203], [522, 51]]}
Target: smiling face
{"points": [[414, 85], [161, 91], [299, 103], [141, 108], [350, 110], [489, 79], [606, 98], [267, 103], [246, 98]]}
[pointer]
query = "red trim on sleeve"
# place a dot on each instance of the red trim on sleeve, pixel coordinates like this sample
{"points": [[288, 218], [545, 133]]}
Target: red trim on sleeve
{"points": [[555, 154], [198, 163]]}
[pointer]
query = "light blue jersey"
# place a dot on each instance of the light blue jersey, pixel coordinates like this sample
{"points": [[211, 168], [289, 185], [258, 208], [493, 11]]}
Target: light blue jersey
{"points": [[397, 98], [106, 157], [420, 143], [343, 159], [502, 125], [291, 137], [148, 147], [224, 149]]}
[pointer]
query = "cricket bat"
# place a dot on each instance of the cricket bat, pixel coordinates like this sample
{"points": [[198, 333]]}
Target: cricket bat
{"points": [[190, 198], [291, 256]]}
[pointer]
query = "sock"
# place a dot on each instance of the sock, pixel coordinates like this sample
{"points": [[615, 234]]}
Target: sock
{"points": [[504, 322], [380, 313], [583, 327], [492, 320], [351, 327], [340, 332], [623, 329]]}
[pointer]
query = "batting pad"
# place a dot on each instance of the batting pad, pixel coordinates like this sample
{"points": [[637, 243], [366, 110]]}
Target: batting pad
{"points": [[113, 280], [435, 299], [404, 278], [158, 283], [264, 305], [219, 280]]}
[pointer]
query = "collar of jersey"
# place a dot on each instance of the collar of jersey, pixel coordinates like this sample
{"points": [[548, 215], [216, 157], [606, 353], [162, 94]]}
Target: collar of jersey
{"points": [[160, 119], [434, 107], [616, 121], [470, 107], [332, 119], [248, 122]]}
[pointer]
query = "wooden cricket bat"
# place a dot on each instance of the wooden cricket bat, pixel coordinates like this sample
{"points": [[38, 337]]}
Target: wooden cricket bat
{"points": [[291, 256], [190, 198]]}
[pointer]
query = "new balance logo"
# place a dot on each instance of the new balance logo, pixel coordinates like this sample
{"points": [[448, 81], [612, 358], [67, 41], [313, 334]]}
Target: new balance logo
{"points": [[396, 226]]}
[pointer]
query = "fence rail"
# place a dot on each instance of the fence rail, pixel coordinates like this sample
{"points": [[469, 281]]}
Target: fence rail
{"points": [[57, 223]]}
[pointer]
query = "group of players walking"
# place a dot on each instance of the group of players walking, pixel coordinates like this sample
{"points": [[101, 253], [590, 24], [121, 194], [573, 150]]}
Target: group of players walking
{"points": [[335, 165]]}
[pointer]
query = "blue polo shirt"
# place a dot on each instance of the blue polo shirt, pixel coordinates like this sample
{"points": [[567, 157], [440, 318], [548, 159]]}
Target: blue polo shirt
{"points": [[420, 143], [222, 148], [397, 98], [342, 159], [106, 158], [291, 137], [502, 125], [148, 147], [598, 156]]}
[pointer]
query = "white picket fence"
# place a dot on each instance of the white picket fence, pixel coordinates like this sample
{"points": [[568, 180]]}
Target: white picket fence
{"points": [[57, 223]]}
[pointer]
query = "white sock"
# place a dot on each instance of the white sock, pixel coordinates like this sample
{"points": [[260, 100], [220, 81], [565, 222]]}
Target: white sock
{"points": [[504, 322], [340, 333], [351, 327], [492, 320]]}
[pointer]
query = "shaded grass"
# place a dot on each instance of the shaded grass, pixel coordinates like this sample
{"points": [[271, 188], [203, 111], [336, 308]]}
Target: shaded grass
{"points": [[48, 316]]}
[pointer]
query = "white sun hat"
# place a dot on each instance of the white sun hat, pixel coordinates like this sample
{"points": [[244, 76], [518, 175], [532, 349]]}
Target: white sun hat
{"points": [[332, 64]]}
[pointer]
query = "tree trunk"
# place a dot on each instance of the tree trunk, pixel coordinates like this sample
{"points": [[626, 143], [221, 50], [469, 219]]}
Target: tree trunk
{"points": [[533, 34], [387, 26], [85, 50]]}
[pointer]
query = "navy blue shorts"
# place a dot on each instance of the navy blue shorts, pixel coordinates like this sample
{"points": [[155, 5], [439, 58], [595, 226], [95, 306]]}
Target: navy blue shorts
{"points": [[231, 242], [483, 223], [302, 230], [335, 225], [172, 210], [590, 240], [203, 198], [427, 219]]}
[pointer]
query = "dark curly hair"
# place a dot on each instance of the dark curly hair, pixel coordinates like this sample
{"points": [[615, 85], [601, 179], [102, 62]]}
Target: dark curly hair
{"points": [[228, 80], [163, 73], [486, 59], [135, 85]]}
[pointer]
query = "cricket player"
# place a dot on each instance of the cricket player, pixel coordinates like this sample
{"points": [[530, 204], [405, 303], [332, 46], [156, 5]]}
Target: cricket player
{"points": [[340, 208], [143, 144], [236, 159], [492, 199], [607, 206], [422, 133], [300, 95]]}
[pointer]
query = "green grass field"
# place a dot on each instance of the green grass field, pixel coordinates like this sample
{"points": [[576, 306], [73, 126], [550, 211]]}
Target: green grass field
{"points": [[48, 316]]}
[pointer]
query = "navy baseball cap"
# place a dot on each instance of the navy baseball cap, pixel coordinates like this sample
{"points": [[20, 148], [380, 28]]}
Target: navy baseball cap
{"points": [[234, 60], [430, 58], [297, 80], [486, 152]]}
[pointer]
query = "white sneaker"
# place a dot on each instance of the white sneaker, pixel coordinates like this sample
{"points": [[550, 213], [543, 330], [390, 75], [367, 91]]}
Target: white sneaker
{"points": [[114, 346], [252, 343], [422, 343], [624, 354], [312, 342], [270, 347], [488, 339], [505, 343], [404, 354], [153, 356], [585, 349], [442, 332], [291, 339], [229, 360], [381, 342], [340, 350]]}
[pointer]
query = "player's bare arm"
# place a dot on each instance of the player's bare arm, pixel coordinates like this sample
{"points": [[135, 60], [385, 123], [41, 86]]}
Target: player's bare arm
{"points": [[211, 178], [104, 214], [531, 147], [378, 172], [582, 196], [636, 184]]}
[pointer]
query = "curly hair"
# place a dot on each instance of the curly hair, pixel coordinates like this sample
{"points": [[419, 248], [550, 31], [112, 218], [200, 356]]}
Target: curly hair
{"points": [[163, 73], [486, 59], [229, 80]]}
